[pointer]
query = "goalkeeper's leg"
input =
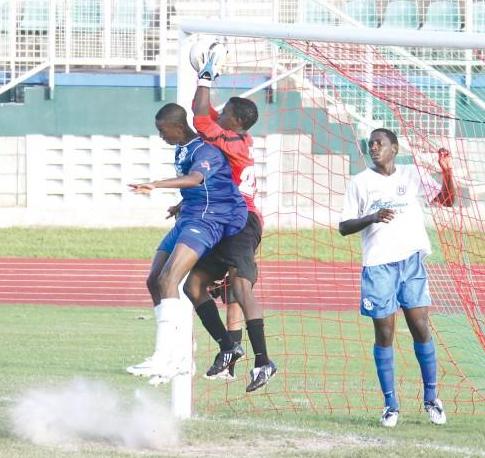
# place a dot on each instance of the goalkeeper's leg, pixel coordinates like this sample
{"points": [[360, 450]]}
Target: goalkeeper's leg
{"points": [[253, 313], [196, 289], [264, 368], [234, 319]]}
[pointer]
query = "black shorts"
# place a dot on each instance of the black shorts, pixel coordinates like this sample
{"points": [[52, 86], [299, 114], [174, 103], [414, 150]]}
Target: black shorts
{"points": [[236, 251]]}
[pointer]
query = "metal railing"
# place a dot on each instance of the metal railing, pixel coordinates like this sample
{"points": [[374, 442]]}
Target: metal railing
{"points": [[142, 34], [103, 34]]}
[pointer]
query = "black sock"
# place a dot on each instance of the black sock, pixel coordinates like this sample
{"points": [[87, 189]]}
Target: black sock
{"points": [[258, 342], [209, 315], [236, 337]]}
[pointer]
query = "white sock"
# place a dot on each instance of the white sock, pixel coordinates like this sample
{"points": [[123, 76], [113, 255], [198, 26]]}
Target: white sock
{"points": [[166, 314], [156, 311]]}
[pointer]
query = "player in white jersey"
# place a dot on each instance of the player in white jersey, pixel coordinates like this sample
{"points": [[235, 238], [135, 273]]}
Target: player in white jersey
{"points": [[383, 203]]}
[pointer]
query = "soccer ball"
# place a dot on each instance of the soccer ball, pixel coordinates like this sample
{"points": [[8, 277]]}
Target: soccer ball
{"points": [[202, 49], [198, 54]]}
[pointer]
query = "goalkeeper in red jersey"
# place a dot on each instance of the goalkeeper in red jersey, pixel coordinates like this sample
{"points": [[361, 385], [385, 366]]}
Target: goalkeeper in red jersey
{"points": [[235, 255]]}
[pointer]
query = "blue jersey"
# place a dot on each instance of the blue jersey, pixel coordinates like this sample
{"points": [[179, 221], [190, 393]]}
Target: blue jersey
{"points": [[217, 198]]}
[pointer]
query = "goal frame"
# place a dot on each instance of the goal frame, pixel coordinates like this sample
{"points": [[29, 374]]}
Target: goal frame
{"points": [[181, 399]]}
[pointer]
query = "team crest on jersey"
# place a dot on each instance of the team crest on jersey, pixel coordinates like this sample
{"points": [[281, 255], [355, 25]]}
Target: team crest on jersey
{"points": [[401, 190], [183, 153], [367, 303], [205, 165]]}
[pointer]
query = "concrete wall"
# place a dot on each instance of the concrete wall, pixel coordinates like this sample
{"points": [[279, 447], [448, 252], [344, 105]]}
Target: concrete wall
{"points": [[13, 183], [83, 181]]}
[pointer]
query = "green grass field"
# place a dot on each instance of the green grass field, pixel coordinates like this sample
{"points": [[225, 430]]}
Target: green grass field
{"points": [[46, 346], [140, 243], [49, 346]]}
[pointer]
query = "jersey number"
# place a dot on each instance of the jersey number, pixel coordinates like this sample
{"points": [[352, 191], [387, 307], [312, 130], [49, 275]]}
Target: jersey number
{"points": [[248, 181]]}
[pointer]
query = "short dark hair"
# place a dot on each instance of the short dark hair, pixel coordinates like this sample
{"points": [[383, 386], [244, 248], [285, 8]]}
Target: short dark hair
{"points": [[245, 110], [173, 113], [389, 134]]}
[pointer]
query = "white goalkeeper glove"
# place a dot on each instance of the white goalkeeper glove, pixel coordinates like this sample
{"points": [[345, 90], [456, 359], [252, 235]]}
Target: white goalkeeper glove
{"points": [[212, 68]]}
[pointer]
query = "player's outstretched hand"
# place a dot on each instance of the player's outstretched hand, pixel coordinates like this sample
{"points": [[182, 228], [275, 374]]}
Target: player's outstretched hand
{"points": [[173, 211], [219, 288], [384, 215], [215, 59], [444, 159], [144, 188], [215, 290]]}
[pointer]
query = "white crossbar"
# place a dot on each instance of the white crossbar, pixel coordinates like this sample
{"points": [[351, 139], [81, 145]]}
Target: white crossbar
{"points": [[340, 34]]}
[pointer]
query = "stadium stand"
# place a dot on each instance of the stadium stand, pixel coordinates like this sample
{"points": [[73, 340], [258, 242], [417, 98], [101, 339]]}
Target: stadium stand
{"points": [[479, 17], [364, 11], [316, 13], [443, 15], [86, 15], [4, 7], [35, 16], [401, 14]]}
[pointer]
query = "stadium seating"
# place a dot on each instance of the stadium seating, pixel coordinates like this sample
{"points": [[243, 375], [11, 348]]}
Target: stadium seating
{"points": [[479, 17], [401, 14], [443, 15], [35, 16], [363, 11], [124, 16], [4, 15], [316, 13], [86, 15]]}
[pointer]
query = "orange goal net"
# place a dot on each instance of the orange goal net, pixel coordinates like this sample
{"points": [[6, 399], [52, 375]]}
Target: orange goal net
{"points": [[318, 103]]}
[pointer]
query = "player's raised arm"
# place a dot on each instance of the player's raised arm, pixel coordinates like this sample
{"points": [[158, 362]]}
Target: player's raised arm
{"points": [[446, 196], [201, 101], [208, 65]]}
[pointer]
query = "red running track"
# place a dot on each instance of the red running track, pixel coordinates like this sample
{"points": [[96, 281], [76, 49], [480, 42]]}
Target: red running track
{"points": [[291, 285], [121, 282]]}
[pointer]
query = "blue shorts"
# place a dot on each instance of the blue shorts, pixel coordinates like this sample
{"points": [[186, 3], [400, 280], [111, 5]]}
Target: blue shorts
{"points": [[199, 234], [386, 287]]}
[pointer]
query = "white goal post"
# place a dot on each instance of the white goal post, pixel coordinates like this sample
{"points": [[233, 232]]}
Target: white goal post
{"points": [[186, 83]]}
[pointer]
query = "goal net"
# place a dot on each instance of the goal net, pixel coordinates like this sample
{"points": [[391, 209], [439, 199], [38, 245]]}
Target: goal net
{"points": [[318, 102]]}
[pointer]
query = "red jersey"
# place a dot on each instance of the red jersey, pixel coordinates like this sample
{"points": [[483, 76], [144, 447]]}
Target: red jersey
{"points": [[237, 149]]}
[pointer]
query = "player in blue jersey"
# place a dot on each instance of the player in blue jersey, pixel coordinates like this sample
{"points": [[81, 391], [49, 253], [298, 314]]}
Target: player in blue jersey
{"points": [[211, 209], [383, 204]]}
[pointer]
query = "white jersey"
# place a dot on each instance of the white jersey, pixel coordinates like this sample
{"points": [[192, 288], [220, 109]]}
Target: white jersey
{"points": [[370, 191]]}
